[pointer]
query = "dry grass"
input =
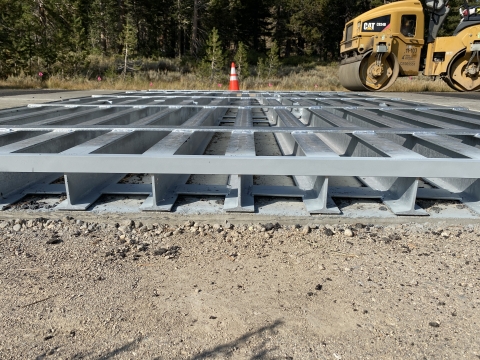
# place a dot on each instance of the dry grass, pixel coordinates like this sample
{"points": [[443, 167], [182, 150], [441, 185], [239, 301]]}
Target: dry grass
{"points": [[419, 84], [317, 78]]}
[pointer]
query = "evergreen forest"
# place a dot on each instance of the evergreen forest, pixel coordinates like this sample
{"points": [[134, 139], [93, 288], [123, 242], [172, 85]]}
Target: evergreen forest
{"points": [[69, 37]]}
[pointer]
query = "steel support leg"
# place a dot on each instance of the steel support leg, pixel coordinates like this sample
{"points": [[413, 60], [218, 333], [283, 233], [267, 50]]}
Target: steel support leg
{"points": [[401, 196], [316, 198], [164, 192], [84, 189], [240, 198], [471, 196]]}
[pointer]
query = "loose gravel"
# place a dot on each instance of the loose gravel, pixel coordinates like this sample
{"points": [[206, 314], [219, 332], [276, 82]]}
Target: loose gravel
{"points": [[85, 290]]}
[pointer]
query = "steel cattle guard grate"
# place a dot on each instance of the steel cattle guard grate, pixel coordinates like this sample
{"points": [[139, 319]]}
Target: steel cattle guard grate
{"points": [[396, 151]]}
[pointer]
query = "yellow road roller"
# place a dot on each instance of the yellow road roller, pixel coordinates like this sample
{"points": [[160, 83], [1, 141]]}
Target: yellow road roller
{"points": [[393, 40]]}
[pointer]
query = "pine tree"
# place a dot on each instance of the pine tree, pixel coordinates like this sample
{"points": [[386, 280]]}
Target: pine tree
{"points": [[261, 68], [104, 27], [214, 58], [241, 61], [129, 42], [272, 61]]}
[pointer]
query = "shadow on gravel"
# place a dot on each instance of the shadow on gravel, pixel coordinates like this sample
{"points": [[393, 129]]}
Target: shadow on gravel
{"points": [[260, 352], [127, 347], [110, 355]]}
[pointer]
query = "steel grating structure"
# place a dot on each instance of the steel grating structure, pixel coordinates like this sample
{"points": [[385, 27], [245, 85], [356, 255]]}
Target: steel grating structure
{"points": [[384, 148]]}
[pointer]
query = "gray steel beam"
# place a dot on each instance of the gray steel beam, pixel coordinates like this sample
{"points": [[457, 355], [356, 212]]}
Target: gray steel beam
{"points": [[55, 110], [52, 142], [367, 100], [453, 147], [332, 107], [14, 186], [180, 142], [58, 141], [12, 137], [316, 198], [84, 189], [47, 113], [92, 115], [460, 134], [242, 143], [461, 117], [242, 165], [399, 194], [75, 114], [416, 120], [350, 192]]}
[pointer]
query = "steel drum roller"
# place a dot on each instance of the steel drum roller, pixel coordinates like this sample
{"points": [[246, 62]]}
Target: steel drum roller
{"points": [[369, 73]]}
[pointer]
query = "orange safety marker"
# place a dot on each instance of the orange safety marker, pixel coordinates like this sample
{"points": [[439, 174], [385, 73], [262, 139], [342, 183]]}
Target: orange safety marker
{"points": [[233, 79]]}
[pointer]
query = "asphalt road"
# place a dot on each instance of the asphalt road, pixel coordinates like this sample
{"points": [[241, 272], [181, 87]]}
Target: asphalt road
{"points": [[16, 92], [459, 95], [13, 98]]}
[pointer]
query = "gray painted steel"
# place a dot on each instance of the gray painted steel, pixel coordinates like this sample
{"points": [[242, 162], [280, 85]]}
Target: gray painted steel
{"points": [[389, 146]]}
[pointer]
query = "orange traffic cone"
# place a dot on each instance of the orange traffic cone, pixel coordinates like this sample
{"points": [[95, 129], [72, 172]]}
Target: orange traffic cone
{"points": [[233, 79]]}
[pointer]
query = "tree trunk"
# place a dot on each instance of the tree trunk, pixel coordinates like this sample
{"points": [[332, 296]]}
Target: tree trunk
{"points": [[194, 44], [179, 31], [126, 61]]}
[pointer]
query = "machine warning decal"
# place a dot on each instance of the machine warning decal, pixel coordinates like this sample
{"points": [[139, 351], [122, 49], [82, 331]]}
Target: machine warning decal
{"points": [[376, 25]]}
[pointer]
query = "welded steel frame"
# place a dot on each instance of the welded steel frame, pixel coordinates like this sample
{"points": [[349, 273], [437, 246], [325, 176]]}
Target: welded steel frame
{"points": [[389, 145]]}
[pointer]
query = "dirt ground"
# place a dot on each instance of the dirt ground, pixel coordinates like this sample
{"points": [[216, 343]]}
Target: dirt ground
{"points": [[75, 290]]}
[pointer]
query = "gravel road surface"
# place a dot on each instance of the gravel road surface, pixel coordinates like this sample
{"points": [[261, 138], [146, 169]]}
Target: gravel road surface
{"points": [[88, 290]]}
